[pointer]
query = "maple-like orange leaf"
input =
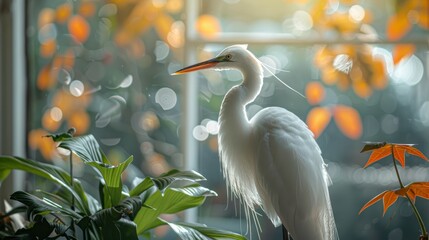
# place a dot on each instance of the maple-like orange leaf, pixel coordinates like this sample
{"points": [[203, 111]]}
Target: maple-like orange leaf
{"points": [[389, 198], [379, 154], [418, 189], [413, 190], [382, 150]]}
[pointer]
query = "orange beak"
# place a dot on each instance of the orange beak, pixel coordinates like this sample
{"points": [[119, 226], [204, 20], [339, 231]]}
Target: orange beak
{"points": [[199, 66]]}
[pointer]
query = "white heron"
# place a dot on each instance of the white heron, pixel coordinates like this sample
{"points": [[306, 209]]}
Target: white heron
{"points": [[271, 160]]}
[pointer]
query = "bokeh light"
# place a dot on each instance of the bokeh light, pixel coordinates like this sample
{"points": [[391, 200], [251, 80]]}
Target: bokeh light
{"points": [[357, 13], [409, 71], [302, 20], [56, 114], [166, 98], [76, 88], [200, 133]]}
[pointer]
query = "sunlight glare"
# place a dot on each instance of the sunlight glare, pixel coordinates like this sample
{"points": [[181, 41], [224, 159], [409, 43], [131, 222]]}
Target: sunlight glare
{"points": [[357, 13], [302, 20], [76, 88], [56, 114]]}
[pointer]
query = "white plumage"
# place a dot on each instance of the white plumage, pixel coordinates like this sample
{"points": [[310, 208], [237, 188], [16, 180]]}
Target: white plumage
{"points": [[271, 160]]}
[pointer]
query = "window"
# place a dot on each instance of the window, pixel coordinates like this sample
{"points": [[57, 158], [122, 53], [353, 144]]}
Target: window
{"points": [[103, 67]]}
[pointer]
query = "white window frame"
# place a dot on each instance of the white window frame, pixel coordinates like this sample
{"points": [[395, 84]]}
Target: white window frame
{"points": [[13, 91]]}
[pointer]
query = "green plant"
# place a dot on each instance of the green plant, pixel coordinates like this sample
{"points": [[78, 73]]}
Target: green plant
{"points": [[120, 213]]}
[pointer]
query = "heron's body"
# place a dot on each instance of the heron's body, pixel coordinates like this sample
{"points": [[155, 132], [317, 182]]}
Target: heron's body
{"points": [[272, 160]]}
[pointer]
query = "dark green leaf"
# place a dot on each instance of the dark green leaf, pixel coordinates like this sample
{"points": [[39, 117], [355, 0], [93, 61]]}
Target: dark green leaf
{"points": [[62, 136], [163, 181], [372, 145], [41, 206], [19, 209], [50, 172], [40, 230]]}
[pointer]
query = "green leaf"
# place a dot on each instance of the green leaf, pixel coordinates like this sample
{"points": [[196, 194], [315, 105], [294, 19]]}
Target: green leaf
{"points": [[49, 172], [86, 147], [165, 180], [41, 206], [188, 231], [172, 201], [112, 179], [141, 187], [3, 174], [62, 136]]}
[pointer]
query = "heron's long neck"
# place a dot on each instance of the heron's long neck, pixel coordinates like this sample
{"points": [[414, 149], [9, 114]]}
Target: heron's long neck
{"points": [[233, 117]]}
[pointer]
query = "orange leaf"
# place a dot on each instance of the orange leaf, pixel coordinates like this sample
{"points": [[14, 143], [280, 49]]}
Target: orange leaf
{"points": [[399, 154], [372, 201], [414, 151], [378, 154], [361, 88], [63, 12], [348, 121], [379, 74], [87, 9], [48, 48], [46, 16], [79, 120], [46, 78], [397, 26], [388, 199], [418, 189], [79, 28], [402, 51], [315, 93], [424, 19], [163, 25], [317, 120]]}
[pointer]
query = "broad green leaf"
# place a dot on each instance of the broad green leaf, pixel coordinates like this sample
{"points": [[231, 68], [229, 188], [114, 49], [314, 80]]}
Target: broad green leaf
{"points": [[49, 172], [86, 147], [40, 206], [172, 201], [141, 187], [188, 231], [165, 180], [112, 179]]}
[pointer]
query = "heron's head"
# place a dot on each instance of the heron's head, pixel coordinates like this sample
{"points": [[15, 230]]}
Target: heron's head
{"points": [[232, 57]]}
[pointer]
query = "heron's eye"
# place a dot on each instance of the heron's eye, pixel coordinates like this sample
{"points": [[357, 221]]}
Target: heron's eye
{"points": [[228, 57]]}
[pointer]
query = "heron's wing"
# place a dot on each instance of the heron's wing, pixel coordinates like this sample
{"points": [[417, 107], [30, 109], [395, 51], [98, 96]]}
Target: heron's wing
{"points": [[291, 176]]}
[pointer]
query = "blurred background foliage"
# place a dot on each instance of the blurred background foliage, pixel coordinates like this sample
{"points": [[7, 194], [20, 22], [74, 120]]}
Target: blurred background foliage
{"points": [[103, 67]]}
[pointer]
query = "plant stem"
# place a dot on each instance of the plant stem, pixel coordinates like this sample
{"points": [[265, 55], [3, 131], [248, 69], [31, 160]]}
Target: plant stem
{"points": [[413, 206], [71, 185], [71, 177]]}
